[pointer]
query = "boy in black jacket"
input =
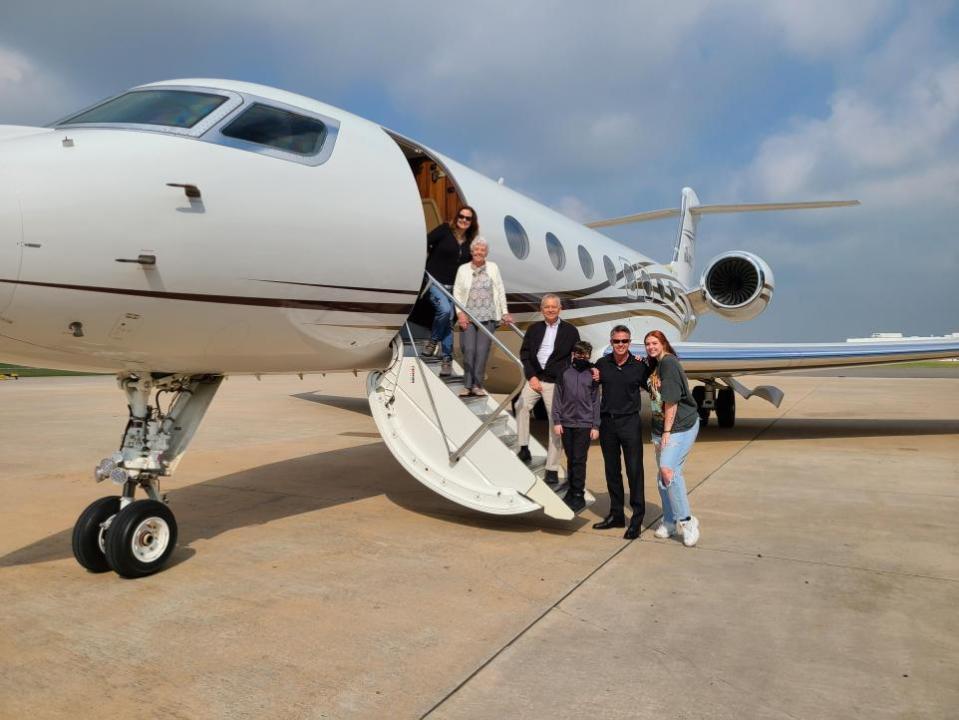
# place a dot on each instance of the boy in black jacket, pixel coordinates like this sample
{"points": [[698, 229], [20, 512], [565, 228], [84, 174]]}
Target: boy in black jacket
{"points": [[576, 420]]}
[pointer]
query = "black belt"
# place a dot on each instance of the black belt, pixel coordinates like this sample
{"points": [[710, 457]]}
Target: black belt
{"points": [[619, 415]]}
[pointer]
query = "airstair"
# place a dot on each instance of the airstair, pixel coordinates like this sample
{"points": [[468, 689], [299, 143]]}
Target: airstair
{"points": [[462, 448]]}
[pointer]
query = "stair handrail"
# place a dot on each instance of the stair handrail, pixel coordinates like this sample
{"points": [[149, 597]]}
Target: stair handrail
{"points": [[458, 454], [429, 393]]}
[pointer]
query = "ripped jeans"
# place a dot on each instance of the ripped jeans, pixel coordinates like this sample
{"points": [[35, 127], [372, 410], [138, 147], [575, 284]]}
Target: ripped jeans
{"points": [[675, 502]]}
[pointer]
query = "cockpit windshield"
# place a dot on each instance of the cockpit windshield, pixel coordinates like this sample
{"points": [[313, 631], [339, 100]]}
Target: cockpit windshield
{"points": [[168, 108]]}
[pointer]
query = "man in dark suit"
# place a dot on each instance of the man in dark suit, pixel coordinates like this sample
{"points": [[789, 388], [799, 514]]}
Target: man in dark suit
{"points": [[545, 353]]}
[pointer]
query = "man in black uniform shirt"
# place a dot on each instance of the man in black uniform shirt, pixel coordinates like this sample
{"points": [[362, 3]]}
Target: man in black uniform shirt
{"points": [[621, 376]]}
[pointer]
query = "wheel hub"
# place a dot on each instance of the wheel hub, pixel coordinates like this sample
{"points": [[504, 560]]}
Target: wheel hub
{"points": [[150, 539]]}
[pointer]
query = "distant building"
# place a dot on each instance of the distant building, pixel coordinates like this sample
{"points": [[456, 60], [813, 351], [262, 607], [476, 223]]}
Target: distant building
{"points": [[899, 337]]}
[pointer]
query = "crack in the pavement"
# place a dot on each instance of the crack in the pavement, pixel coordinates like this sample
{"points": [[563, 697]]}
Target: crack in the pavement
{"points": [[522, 632]]}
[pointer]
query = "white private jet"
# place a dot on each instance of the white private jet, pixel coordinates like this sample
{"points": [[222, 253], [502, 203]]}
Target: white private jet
{"points": [[187, 230]]}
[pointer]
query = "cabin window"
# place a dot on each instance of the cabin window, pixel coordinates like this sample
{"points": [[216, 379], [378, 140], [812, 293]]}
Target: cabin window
{"points": [[586, 262], [516, 237], [168, 108], [280, 129], [557, 255], [610, 271]]}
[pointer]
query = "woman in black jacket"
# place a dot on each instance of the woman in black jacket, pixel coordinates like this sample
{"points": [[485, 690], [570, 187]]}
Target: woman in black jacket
{"points": [[447, 247]]}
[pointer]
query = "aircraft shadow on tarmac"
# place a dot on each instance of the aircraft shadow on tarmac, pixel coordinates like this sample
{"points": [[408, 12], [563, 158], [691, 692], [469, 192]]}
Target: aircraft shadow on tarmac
{"points": [[297, 486], [306, 484], [359, 405]]}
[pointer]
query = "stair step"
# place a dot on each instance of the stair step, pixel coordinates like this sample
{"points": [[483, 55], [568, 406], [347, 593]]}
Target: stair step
{"points": [[501, 421], [476, 403]]}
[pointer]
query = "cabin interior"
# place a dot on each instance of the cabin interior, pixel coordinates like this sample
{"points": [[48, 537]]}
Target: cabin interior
{"points": [[441, 200]]}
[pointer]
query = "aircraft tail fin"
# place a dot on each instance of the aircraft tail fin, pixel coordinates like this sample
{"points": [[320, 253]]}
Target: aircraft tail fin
{"points": [[684, 254]]}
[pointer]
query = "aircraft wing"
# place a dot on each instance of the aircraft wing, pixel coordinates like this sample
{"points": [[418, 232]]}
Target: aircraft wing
{"points": [[717, 360]]}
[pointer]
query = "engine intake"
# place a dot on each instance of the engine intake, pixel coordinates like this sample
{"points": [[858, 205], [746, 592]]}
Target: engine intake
{"points": [[737, 285]]}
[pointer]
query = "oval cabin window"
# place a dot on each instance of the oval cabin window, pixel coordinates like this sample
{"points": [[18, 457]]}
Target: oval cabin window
{"points": [[516, 237], [557, 255], [586, 262], [610, 271]]}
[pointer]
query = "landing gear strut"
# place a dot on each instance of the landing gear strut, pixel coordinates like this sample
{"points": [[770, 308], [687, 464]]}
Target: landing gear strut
{"points": [[699, 395], [133, 537], [722, 399]]}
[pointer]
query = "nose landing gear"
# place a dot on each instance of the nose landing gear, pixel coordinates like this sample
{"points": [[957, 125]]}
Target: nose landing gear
{"points": [[135, 538]]}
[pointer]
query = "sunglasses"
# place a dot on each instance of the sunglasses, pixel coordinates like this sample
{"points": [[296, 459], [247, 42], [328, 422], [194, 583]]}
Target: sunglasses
{"points": [[468, 218], [619, 342]]}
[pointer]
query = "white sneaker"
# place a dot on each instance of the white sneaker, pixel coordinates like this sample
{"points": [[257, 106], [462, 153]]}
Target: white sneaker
{"points": [[690, 531], [664, 531]]}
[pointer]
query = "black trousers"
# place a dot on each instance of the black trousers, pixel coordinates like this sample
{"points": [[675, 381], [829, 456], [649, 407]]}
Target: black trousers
{"points": [[622, 436], [576, 444]]}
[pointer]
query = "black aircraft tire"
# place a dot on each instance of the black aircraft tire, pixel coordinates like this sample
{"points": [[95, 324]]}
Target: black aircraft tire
{"points": [[726, 407], [699, 395], [86, 533], [141, 539]]}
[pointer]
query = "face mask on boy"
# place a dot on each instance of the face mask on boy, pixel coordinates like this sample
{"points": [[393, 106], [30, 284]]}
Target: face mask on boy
{"points": [[582, 364]]}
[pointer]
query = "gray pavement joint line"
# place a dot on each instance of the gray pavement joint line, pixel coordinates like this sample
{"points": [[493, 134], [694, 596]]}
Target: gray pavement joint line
{"points": [[522, 632], [599, 567]]}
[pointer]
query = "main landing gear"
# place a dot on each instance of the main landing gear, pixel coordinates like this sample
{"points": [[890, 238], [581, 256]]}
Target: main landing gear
{"points": [[133, 537], [719, 398]]}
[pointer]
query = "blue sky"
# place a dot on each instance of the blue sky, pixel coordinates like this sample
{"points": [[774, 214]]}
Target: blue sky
{"points": [[606, 110]]}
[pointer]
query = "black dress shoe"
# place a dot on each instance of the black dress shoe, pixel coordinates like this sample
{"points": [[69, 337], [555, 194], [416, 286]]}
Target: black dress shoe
{"points": [[632, 532], [551, 478], [576, 504], [524, 455], [610, 521]]}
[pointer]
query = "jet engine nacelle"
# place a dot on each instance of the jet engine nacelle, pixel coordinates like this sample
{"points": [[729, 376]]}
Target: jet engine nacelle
{"points": [[737, 285]]}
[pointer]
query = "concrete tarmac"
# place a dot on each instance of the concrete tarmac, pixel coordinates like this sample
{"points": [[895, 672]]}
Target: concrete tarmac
{"points": [[314, 578]]}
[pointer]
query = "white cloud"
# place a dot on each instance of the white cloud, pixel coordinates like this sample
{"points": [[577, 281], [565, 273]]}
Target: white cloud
{"points": [[574, 208], [28, 92], [871, 139], [817, 28]]}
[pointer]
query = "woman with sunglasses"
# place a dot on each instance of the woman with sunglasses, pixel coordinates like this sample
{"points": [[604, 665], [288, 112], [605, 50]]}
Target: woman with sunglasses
{"points": [[479, 288], [447, 247], [675, 424]]}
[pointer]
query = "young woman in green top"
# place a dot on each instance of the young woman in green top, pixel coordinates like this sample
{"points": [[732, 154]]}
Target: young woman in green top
{"points": [[675, 424]]}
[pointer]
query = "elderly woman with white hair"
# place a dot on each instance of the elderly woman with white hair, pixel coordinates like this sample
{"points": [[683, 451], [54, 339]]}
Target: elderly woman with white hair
{"points": [[479, 288]]}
